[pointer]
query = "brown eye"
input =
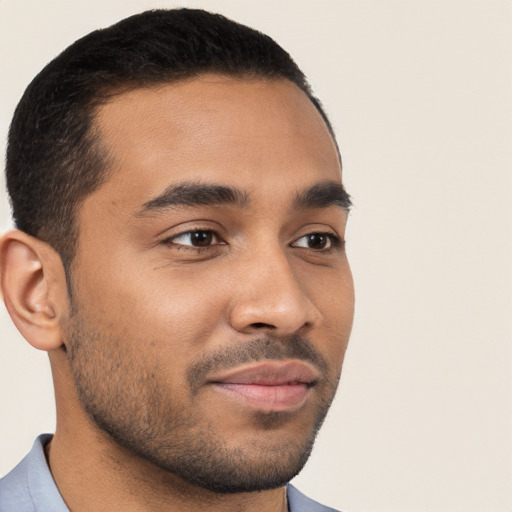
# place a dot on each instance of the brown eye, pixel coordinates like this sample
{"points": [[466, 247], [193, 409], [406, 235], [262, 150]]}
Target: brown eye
{"points": [[197, 238], [201, 238], [315, 241]]}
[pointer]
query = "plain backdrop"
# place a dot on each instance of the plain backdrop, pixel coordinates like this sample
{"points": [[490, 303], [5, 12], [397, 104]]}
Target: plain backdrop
{"points": [[420, 94]]}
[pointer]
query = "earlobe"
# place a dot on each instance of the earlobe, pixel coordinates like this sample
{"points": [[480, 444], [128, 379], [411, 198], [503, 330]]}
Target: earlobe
{"points": [[32, 278]]}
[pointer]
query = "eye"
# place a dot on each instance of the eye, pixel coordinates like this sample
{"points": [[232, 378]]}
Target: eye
{"points": [[316, 241], [196, 238]]}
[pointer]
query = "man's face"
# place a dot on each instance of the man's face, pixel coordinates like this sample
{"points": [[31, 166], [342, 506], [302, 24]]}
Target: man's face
{"points": [[212, 295]]}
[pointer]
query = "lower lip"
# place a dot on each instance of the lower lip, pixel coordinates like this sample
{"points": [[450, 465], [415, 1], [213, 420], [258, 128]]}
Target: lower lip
{"points": [[278, 398]]}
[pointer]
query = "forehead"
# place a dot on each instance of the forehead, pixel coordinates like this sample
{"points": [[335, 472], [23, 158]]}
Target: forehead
{"points": [[214, 129]]}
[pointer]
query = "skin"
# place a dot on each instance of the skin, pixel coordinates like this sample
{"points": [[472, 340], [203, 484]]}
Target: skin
{"points": [[148, 309]]}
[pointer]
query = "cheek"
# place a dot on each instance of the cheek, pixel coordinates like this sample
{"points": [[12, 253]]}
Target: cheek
{"points": [[170, 313], [182, 305], [333, 296], [332, 292]]}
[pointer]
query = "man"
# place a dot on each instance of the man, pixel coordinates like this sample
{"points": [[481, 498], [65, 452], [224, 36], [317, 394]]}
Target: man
{"points": [[180, 256]]}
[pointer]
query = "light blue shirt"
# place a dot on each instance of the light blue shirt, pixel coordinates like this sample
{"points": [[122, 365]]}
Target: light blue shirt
{"points": [[30, 487]]}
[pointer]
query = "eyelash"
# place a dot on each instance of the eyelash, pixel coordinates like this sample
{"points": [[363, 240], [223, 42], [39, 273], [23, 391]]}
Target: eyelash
{"points": [[183, 247], [336, 243]]}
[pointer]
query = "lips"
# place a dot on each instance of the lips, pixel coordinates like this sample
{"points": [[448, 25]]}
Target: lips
{"points": [[270, 386]]}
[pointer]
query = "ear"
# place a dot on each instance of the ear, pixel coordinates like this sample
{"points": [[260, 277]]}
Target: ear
{"points": [[33, 284]]}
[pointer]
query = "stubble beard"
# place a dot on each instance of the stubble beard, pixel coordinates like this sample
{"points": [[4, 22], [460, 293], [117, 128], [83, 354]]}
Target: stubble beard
{"points": [[126, 401]]}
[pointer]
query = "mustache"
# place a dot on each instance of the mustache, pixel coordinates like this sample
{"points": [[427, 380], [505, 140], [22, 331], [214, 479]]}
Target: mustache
{"points": [[259, 349]]}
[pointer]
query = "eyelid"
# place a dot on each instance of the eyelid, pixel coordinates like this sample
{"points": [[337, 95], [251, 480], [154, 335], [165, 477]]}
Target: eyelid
{"points": [[335, 241], [173, 238], [208, 250], [329, 237]]}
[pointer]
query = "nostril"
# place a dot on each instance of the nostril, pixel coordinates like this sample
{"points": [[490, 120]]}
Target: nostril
{"points": [[262, 325]]}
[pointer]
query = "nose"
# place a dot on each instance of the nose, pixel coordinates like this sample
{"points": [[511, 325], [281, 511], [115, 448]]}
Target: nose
{"points": [[270, 298]]}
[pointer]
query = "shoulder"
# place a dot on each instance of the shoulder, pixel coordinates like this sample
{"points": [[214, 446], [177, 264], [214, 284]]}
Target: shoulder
{"points": [[29, 487], [298, 502], [14, 490]]}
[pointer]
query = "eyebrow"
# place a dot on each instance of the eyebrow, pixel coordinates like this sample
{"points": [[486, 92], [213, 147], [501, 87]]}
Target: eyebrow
{"points": [[320, 195], [195, 194], [323, 195]]}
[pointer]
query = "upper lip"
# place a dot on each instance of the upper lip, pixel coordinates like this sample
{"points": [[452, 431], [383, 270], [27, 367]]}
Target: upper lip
{"points": [[270, 373]]}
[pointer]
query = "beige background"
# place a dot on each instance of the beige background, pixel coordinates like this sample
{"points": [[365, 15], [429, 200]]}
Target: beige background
{"points": [[420, 92]]}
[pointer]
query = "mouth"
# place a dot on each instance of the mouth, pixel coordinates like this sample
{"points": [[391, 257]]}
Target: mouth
{"points": [[269, 386]]}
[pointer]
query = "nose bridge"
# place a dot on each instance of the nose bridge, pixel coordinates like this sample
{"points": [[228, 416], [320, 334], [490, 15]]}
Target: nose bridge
{"points": [[270, 294]]}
